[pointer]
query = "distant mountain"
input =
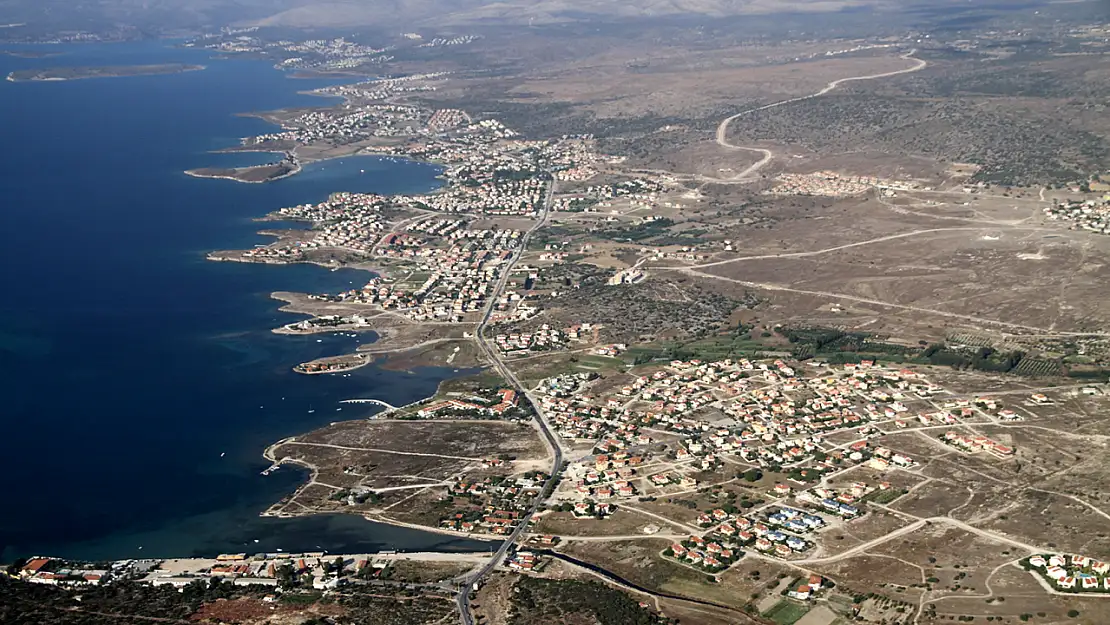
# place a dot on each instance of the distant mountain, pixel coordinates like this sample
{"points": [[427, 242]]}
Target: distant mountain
{"points": [[326, 13], [191, 14]]}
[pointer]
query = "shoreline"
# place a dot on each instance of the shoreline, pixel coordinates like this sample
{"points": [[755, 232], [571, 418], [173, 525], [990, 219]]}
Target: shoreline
{"points": [[289, 165], [194, 173], [276, 463], [387, 334], [197, 172], [334, 364], [89, 73]]}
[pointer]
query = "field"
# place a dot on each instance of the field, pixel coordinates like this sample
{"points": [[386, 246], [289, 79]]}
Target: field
{"points": [[787, 612]]}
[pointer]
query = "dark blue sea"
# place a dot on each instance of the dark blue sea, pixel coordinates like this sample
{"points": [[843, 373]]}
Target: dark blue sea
{"points": [[129, 363]]}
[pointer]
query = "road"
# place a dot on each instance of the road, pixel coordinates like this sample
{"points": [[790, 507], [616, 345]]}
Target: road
{"points": [[621, 538], [379, 450], [920, 523], [890, 237], [722, 129], [487, 347], [863, 300]]}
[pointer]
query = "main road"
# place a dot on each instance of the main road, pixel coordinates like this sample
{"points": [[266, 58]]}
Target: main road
{"points": [[487, 347]]}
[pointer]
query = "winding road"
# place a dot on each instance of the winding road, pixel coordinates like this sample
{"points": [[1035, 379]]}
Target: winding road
{"points": [[722, 129]]}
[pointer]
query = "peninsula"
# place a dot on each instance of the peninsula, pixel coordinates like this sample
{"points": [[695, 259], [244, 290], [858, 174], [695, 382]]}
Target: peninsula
{"points": [[112, 71], [287, 166], [29, 54]]}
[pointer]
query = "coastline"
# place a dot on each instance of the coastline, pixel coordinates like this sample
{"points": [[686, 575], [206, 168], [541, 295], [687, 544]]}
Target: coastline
{"points": [[232, 426], [395, 333], [276, 463]]}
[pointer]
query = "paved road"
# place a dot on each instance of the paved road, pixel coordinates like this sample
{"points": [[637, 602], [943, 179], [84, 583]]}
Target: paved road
{"points": [[487, 347]]}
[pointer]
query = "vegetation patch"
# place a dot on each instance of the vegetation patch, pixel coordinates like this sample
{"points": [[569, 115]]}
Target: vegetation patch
{"points": [[541, 601]]}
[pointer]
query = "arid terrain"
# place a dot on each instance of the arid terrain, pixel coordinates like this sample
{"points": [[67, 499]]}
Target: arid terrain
{"points": [[773, 326], [764, 206]]}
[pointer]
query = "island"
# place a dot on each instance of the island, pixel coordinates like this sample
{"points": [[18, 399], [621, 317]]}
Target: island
{"points": [[333, 364], [111, 71], [29, 54]]}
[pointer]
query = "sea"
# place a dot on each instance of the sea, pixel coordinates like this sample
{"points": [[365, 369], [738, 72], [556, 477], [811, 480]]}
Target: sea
{"points": [[139, 382]]}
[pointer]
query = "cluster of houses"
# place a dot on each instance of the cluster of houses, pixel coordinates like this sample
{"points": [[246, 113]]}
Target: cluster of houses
{"points": [[572, 158], [344, 126], [765, 414], [1072, 573], [496, 504], [333, 365], [807, 589], [60, 573], [522, 561], [436, 227], [844, 501], [1092, 215], [775, 531], [325, 55], [709, 555], [457, 275], [594, 509], [545, 338], [326, 323], [831, 184], [610, 476], [518, 191], [505, 400], [382, 89], [976, 443], [638, 191], [351, 222], [447, 119], [268, 570], [488, 169]]}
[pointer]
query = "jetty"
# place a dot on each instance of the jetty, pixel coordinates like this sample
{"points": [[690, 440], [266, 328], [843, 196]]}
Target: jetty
{"points": [[379, 402]]}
